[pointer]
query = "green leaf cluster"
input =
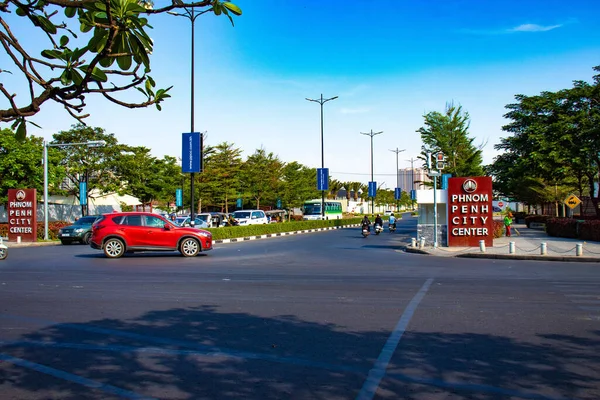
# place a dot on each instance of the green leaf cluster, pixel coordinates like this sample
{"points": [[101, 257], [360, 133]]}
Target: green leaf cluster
{"points": [[554, 147]]}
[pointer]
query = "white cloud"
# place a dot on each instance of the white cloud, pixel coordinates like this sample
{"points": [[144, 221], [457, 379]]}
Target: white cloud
{"points": [[534, 28]]}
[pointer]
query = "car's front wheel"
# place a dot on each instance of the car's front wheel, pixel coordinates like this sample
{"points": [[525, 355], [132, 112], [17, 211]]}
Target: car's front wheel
{"points": [[114, 248], [86, 238], [189, 247], [3, 253]]}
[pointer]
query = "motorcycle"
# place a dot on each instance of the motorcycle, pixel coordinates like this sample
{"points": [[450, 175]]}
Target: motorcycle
{"points": [[392, 227], [365, 230], [3, 250], [378, 229]]}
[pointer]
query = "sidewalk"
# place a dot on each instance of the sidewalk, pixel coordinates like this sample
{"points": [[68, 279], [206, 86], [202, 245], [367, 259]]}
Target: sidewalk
{"points": [[527, 246]]}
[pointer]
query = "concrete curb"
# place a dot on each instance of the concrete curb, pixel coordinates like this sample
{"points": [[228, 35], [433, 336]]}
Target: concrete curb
{"points": [[526, 257], [272, 235], [30, 244], [410, 249]]}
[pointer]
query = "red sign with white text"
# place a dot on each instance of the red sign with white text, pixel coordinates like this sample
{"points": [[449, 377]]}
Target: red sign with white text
{"points": [[470, 211], [22, 214]]}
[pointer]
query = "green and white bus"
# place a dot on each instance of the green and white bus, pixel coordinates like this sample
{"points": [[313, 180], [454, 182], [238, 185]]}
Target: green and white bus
{"points": [[312, 209]]}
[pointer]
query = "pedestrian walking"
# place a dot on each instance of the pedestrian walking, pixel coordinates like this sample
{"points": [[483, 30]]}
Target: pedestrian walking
{"points": [[508, 223]]}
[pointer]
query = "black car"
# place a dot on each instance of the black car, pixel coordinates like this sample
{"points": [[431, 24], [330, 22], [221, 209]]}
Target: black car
{"points": [[80, 231]]}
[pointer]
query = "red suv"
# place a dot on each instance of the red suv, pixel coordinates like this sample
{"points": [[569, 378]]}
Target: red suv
{"points": [[121, 232]]}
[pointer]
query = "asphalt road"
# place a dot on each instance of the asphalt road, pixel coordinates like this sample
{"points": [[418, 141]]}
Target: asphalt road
{"points": [[326, 315]]}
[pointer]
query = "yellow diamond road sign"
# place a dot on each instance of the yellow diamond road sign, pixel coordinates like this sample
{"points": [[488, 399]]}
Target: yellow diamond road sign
{"points": [[572, 201]]}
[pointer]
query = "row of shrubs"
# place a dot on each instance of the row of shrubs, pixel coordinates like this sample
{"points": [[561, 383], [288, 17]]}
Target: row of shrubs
{"points": [[53, 228], [257, 230], [573, 228]]}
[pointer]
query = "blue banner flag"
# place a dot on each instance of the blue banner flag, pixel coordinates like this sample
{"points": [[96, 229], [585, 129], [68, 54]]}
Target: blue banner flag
{"points": [[238, 203], [445, 178], [413, 194], [397, 193], [83, 193], [191, 152], [372, 189], [179, 197], [322, 178], [278, 205]]}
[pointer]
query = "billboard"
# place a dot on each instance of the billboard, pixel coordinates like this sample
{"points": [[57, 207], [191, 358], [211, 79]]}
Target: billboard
{"points": [[322, 178], [22, 217], [191, 152], [470, 211]]}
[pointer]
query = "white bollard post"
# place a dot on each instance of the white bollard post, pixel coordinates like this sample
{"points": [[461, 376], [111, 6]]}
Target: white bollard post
{"points": [[543, 250], [578, 249], [422, 243], [482, 246], [413, 242], [511, 247], [19, 239]]}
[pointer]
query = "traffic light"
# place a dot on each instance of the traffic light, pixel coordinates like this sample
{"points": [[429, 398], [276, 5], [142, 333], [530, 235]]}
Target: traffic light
{"points": [[440, 160]]}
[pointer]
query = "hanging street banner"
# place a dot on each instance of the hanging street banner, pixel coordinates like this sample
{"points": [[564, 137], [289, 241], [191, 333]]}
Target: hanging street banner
{"points": [[372, 189], [445, 178], [191, 152], [178, 197], [397, 193], [22, 214], [470, 211], [82, 193], [322, 178]]}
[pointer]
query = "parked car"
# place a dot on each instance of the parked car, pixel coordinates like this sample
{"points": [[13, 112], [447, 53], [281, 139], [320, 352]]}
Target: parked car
{"points": [[127, 232], [80, 231], [250, 217], [199, 221]]}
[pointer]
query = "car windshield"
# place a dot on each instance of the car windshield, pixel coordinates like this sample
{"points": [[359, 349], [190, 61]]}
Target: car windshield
{"points": [[241, 214], [201, 217], [85, 221], [312, 209]]}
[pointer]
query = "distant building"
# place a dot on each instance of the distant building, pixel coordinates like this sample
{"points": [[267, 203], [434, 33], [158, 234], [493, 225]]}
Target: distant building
{"points": [[412, 179]]}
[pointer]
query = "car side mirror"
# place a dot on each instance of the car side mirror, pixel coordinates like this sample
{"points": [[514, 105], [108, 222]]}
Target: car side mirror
{"points": [[167, 227]]}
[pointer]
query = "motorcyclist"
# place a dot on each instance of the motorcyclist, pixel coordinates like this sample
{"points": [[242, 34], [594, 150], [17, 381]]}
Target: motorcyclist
{"points": [[392, 221], [378, 220], [366, 223]]}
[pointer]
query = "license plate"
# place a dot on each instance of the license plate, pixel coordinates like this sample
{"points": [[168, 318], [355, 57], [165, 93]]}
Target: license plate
{"points": [[66, 234]]}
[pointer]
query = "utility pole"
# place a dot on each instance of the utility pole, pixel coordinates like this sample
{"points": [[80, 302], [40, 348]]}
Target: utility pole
{"points": [[322, 101], [412, 180], [397, 176], [371, 134]]}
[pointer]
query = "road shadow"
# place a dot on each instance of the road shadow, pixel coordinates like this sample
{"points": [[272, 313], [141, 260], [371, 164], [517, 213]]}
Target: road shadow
{"points": [[202, 353]]}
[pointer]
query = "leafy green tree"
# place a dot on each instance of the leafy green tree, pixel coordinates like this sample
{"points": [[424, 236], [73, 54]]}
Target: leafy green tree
{"points": [[298, 184], [555, 138], [223, 165], [146, 177], [260, 177], [93, 165], [107, 57], [448, 132], [21, 164]]}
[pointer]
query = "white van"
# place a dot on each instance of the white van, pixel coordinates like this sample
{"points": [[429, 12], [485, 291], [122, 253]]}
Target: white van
{"points": [[250, 217]]}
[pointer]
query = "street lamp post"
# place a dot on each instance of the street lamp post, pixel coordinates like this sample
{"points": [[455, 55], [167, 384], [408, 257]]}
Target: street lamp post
{"points": [[397, 172], [93, 143], [372, 180], [192, 15], [322, 101]]}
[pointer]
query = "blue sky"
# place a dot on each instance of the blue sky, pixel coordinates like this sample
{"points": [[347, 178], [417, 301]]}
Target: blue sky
{"points": [[390, 62]]}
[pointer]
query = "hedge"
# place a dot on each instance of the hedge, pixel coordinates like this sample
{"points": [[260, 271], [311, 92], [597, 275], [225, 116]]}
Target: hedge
{"points": [[498, 229], [573, 228], [230, 232], [53, 228]]}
